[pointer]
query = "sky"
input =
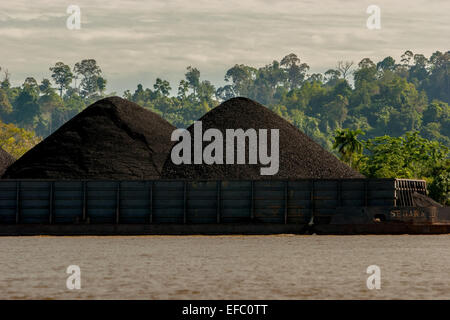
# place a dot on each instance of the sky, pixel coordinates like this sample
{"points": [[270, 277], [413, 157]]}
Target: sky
{"points": [[138, 41]]}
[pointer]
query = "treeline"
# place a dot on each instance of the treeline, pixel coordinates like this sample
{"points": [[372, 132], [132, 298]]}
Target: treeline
{"points": [[387, 99], [408, 156], [380, 98], [383, 98], [42, 107]]}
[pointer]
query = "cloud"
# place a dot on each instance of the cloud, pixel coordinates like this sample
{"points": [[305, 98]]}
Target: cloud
{"points": [[140, 40]]}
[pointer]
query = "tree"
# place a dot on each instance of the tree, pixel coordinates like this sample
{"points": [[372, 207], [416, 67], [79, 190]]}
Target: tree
{"points": [[16, 141], [439, 188], [206, 92], [90, 72], [193, 78], [183, 89], [62, 76], [295, 69], [30, 83], [315, 77], [335, 111], [388, 63], [409, 156], [101, 84], [436, 111], [26, 107], [5, 105], [407, 57], [332, 76], [162, 87], [5, 83], [226, 92], [46, 87], [241, 77], [344, 67], [366, 73], [48, 103], [438, 85], [348, 146]]}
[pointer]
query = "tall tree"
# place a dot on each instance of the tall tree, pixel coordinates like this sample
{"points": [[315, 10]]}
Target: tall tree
{"points": [[183, 88], [366, 72], [193, 78], [46, 87], [101, 84], [332, 76], [295, 69], [5, 83], [162, 87], [90, 71], [26, 107], [5, 105], [439, 80], [241, 77], [344, 67], [31, 83], [348, 146], [62, 76], [387, 63]]}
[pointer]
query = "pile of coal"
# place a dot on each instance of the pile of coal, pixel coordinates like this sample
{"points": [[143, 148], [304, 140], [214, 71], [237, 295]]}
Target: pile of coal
{"points": [[111, 139], [299, 156], [421, 200], [5, 160]]}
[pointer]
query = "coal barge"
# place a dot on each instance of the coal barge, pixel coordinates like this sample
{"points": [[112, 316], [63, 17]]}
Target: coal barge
{"points": [[108, 171], [177, 207]]}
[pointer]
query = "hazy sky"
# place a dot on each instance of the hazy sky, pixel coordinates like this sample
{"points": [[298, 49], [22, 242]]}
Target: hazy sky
{"points": [[137, 41]]}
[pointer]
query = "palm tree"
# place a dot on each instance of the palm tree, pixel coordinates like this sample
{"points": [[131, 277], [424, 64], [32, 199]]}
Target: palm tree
{"points": [[348, 146]]}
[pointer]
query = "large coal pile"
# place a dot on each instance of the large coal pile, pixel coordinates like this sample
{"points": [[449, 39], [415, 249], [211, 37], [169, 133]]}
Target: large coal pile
{"points": [[111, 139], [300, 157], [5, 160]]}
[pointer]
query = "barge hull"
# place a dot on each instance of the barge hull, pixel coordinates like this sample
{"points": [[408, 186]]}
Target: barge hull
{"points": [[219, 229], [155, 229], [348, 206]]}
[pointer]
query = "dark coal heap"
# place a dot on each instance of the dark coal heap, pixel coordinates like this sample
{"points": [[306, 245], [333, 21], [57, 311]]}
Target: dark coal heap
{"points": [[5, 160], [300, 156], [111, 139], [421, 200]]}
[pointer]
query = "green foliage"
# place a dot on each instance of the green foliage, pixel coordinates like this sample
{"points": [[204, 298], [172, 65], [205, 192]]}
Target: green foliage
{"points": [[26, 107], [16, 141], [62, 76], [348, 146], [439, 188], [90, 73], [390, 101], [5, 105], [407, 156]]}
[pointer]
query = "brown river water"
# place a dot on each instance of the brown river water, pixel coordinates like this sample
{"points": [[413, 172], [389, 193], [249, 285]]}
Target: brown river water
{"points": [[226, 267]]}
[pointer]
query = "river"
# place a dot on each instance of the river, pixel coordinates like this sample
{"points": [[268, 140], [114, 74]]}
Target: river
{"points": [[226, 267]]}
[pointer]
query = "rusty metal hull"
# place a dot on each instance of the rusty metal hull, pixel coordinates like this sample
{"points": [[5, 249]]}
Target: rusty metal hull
{"points": [[221, 229], [344, 221], [387, 220], [153, 229], [384, 228]]}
